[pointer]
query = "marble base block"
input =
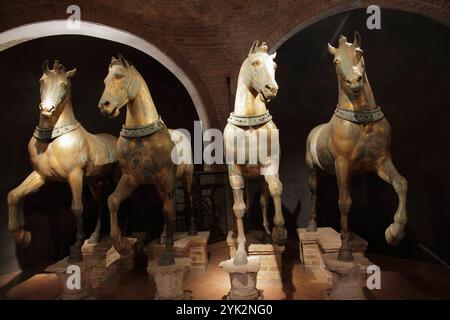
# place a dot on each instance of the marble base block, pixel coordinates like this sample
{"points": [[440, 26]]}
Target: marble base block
{"points": [[349, 278], [199, 251], [243, 279], [169, 280]]}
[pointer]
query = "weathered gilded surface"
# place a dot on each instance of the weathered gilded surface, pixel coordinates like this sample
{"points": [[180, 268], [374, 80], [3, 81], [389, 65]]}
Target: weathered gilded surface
{"points": [[145, 159], [70, 157], [344, 148]]}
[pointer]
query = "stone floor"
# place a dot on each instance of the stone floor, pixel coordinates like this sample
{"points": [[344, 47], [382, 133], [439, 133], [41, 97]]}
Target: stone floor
{"points": [[400, 279]]}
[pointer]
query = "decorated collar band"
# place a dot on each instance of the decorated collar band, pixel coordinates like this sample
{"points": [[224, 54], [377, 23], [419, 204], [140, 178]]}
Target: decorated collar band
{"points": [[249, 121], [52, 133], [360, 117], [142, 131]]}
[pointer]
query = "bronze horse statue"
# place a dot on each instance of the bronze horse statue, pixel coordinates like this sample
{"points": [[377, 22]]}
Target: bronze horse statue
{"points": [[251, 121], [62, 150], [144, 151], [356, 139]]}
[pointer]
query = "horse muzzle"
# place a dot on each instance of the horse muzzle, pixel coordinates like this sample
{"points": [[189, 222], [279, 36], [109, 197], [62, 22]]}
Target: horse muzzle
{"points": [[46, 112]]}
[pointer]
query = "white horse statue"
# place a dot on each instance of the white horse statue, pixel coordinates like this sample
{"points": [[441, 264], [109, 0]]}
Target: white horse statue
{"points": [[251, 126]]}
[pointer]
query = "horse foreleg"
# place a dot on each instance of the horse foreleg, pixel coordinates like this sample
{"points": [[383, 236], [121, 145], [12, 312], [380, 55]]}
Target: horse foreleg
{"points": [[165, 187], [345, 204], [263, 201], [279, 233], [387, 171], [76, 187], [237, 185], [187, 184], [96, 191], [15, 211], [124, 189]]}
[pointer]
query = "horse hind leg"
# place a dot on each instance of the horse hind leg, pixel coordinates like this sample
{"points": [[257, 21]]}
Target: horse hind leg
{"points": [[15, 210], [387, 171], [267, 236], [237, 185], [188, 195], [312, 181], [345, 204], [76, 187]]}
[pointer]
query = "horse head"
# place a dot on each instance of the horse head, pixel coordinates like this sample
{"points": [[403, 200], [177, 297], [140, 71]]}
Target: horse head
{"points": [[258, 71], [55, 88], [349, 62], [121, 86]]}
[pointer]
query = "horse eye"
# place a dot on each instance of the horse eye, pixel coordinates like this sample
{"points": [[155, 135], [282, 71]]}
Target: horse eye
{"points": [[256, 63], [64, 85], [337, 61], [275, 66], [118, 76]]}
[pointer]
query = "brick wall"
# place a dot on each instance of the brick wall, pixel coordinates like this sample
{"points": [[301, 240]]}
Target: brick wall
{"points": [[208, 39]]}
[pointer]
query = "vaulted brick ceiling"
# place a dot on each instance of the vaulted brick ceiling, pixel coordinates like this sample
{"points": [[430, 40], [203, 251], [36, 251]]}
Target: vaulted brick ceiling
{"points": [[208, 39]]}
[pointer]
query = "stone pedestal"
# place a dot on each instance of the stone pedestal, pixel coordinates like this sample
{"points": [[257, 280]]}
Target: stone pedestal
{"points": [[101, 269], [199, 251], [313, 245], [70, 289], [269, 254], [349, 278], [169, 280], [243, 279], [185, 246]]}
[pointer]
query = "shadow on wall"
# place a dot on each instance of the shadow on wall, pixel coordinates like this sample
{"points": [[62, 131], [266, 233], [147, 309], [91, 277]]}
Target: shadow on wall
{"points": [[408, 68], [47, 212]]}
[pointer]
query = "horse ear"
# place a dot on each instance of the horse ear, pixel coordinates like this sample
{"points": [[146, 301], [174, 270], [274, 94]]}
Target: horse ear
{"points": [[356, 40], [124, 61], [71, 73], [45, 66], [273, 55], [253, 47], [331, 49]]}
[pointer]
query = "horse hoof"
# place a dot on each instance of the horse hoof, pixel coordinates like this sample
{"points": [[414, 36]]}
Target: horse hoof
{"points": [[267, 238], [123, 246], [345, 255], [22, 238], [240, 258], [93, 239], [312, 226], [75, 254], [167, 259], [393, 234], [279, 235], [192, 231]]}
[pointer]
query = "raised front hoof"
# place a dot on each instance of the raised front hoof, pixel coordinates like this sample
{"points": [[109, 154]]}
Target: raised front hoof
{"points": [[312, 226], [22, 238], [75, 254], [166, 259], [267, 238], [123, 245], [279, 235], [345, 255], [240, 258], [393, 234], [94, 238]]}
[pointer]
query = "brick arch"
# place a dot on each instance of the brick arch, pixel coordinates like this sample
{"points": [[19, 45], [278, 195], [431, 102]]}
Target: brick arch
{"points": [[437, 10], [135, 36]]}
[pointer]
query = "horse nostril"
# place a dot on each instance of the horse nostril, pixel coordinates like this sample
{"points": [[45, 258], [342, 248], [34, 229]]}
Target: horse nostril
{"points": [[40, 106], [358, 79], [348, 81], [106, 103]]}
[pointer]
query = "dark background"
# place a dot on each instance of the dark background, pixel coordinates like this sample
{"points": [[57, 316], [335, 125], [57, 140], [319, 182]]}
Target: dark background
{"points": [[47, 212], [407, 63]]}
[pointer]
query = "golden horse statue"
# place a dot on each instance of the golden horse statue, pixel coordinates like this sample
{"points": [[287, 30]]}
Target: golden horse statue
{"points": [[62, 150], [251, 124], [356, 139], [144, 151]]}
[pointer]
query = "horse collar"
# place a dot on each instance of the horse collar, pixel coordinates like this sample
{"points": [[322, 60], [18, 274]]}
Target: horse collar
{"points": [[52, 133], [359, 117], [142, 131], [241, 121]]}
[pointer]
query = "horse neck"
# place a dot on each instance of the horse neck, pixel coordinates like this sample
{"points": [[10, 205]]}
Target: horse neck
{"points": [[364, 101], [60, 119], [141, 110], [247, 102]]}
